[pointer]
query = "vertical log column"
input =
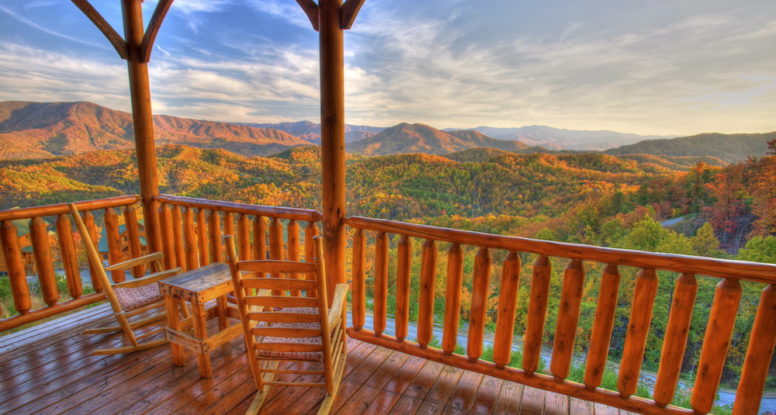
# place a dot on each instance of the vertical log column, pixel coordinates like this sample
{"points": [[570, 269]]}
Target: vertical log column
{"points": [[332, 139], [142, 121]]}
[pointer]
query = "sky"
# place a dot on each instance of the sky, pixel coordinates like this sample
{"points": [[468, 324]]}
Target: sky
{"points": [[675, 67]]}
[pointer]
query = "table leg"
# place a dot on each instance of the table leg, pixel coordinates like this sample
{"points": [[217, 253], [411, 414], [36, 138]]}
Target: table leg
{"points": [[199, 318], [174, 323], [221, 304]]}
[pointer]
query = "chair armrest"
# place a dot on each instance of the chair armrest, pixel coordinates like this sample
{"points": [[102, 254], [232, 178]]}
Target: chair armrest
{"points": [[148, 279], [142, 260], [337, 304]]}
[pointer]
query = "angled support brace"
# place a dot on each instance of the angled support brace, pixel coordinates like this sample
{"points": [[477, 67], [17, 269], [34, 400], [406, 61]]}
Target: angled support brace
{"points": [[113, 37], [349, 12], [311, 10], [153, 29]]}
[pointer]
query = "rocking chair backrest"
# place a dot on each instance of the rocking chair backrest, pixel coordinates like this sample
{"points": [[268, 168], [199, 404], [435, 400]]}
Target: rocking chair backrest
{"points": [[277, 306]]}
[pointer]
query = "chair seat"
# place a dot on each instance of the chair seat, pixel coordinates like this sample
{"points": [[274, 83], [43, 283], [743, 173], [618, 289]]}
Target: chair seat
{"points": [[132, 298], [311, 356]]}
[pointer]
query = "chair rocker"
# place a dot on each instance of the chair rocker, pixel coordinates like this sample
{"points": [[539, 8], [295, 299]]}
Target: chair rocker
{"points": [[137, 299], [283, 321]]}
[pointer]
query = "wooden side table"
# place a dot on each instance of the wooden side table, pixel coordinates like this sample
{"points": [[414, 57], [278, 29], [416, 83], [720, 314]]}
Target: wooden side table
{"points": [[197, 287]]}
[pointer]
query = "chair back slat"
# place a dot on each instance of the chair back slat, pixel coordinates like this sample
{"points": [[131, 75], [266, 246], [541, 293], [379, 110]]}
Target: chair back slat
{"points": [[278, 284], [280, 317], [285, 332], [277, 266], [281, 301], [289, 347]]}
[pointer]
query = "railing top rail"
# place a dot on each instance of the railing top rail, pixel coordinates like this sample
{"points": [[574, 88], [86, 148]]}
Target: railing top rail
{"points": [[60, 208], [259, 210], [724, 268]]}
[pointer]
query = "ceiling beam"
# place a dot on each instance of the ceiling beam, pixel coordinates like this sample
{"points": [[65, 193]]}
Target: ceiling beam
{"points": [[348, 13], [113, 37], [153, 29], [311, 10]]}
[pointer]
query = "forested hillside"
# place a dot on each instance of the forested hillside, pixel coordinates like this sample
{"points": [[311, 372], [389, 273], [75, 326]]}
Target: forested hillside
{"points": [[731, 148]]}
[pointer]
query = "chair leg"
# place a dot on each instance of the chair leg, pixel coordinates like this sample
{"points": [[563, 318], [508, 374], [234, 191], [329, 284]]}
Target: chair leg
{"points": [[261, 395], [127, 329]]}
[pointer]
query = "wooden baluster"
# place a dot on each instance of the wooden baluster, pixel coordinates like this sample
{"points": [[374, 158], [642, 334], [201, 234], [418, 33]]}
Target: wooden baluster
{"points": [[260, 238], [452, 298], [601, 333], [426, 298], [477, 315], [276, 244], [214, 230], [69, 256], [292, 236], [758, 355], [404, 253], [168, 237], [203, 238], [381, 282], [177, 234], [636, 335], [114, 246], [716, 341], [190, 236], [507, 305], [91, 227], [675, 339], [537, 310], [244, 237], [568, 316], [310, 232], [133, 235], [43, 260], [15, 265], [228, 225], [357, 282]]}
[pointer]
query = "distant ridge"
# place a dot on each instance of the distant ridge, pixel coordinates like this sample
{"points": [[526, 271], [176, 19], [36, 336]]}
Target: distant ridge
{"points": [[311, 131], [730, 148], [40, 130], [422, 138], [557, 138]]}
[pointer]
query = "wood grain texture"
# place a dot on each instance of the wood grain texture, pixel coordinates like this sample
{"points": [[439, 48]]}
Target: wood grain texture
{"points": [[168, 237], [404, 258], [452, 298], [357, 284], [16, 273], [381, 282], [675, 339], [214, 231], [190, 239], [477, 315], [177, 234], [758, 355], [537, 310], [716, 341], [203, 239], [43, 261], [603, 324], [133, 238], [638, 329], [91, 226], [507, 306], [69, 254], [568, 316], [426, 297]]}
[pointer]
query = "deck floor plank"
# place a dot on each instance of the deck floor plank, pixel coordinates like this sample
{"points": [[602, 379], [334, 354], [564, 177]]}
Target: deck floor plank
{"points": [[50, 370]]}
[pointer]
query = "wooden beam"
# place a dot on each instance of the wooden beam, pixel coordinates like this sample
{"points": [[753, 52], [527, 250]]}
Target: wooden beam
{"points": [[113, 37], [142, 120], [332, 140], [153, 29], [311, 10], [349, 12]]}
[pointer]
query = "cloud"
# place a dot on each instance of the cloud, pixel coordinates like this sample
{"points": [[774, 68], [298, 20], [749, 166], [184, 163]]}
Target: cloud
{"points": [[287, 10], [24, 20]]}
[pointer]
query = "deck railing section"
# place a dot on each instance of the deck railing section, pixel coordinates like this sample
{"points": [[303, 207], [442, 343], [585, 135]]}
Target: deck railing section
{"points": [[193, 231], [714, 348], [43, 220]]}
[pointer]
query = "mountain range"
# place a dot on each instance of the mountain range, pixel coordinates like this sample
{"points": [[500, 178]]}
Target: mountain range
{"points": [[31, 130]]}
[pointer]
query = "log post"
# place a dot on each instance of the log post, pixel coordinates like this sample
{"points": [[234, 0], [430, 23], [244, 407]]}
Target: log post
{"points": [[332, 139], [142, 120]]}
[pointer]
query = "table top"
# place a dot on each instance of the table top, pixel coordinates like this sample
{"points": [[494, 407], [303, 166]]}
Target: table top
{"points": [[200, 280]]}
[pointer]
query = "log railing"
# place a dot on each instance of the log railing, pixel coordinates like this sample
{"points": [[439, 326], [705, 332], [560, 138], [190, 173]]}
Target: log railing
{"points": [[54, 247], [193, 231], [714, 348]]}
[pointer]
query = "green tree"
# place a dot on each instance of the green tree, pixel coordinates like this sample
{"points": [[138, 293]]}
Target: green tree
{"points": [[704, 242]]}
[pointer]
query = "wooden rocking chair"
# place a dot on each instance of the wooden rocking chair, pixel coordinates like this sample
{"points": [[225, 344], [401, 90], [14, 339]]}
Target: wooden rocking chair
{"points": [[139, 297], [295, 327]]}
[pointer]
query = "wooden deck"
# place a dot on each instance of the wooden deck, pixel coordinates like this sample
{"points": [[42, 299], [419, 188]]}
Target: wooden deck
{"points": [[47, 369]]}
